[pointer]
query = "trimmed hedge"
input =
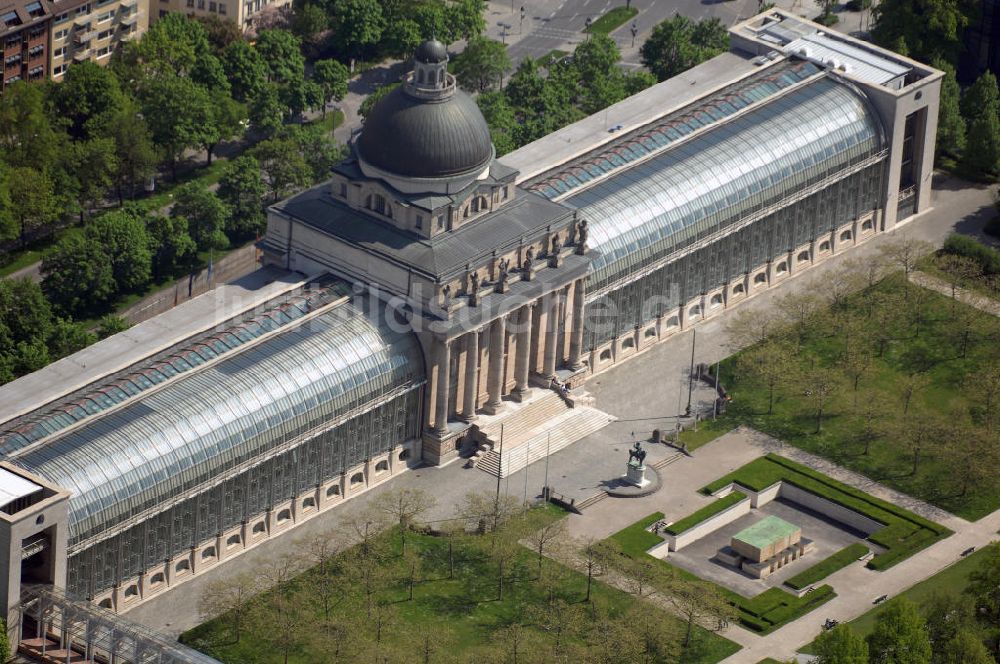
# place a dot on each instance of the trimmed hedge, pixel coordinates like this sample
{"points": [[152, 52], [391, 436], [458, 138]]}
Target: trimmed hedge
{"points": [[905, 532], [963, 245], [705, 513], [763, 614], [827, 566]]}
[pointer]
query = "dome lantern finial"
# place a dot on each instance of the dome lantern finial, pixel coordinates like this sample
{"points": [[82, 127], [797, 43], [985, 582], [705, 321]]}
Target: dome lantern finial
{"points": [[430, 69]]}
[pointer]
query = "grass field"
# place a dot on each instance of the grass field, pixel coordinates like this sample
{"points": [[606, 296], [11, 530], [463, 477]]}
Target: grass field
{"points": [[763, 613], [462, 612], [920, 334], [612, 20], [704, 513]]}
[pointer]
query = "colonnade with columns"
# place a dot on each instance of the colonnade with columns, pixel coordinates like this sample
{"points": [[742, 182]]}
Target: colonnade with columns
{"points": [[474, 370]]}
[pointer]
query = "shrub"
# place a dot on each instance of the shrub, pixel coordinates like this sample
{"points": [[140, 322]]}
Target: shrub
{"points": [[705, 513], [963, 245], [827, 566]]}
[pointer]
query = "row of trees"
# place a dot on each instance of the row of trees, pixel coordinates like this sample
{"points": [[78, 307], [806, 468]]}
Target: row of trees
{"points": [[538, 99], [373, 591], [375, 29], [865, 348], [969, 123], [947, 628]]}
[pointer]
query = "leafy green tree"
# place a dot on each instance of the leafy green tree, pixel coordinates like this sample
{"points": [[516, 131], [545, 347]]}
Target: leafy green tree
{"points": [[402, 36], [500, 117], [332, 77], [171, 245], [929, 29], [282, 52], [221, 32], [206, 215], [135, 154], [375, 97], [301, 95], [465, 18], [8, 224], [33, 203], [246, 70], [28, 137], [678, 43], [964, 648], [482, 65], [123, 237], [67, 337], [981, 95], [111, 324], [30, 356], [984, 585], [242, 190], [77, 276], [179, 114], [951, 124], [209, 73], [982, 153], [317, 147], [900, 636], [638, 81], [282, 166], [267, 113], [430, 20], [308, 21], [840, 645], [95, 165], [602, 83], [226, 123], [88, 98], [25, 314], [357, 26], [172, 46]]}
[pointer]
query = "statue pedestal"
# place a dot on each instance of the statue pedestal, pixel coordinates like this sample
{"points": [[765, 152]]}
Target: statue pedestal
{"points": [[635, 474]]}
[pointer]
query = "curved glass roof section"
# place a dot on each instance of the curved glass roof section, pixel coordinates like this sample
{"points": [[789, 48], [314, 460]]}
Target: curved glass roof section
{"points": [[740, 167], [177, 362], [198, 427], [660, 134]]}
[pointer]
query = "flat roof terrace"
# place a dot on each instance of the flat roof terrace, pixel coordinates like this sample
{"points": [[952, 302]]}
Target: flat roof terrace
{"points": [[766, 531]]}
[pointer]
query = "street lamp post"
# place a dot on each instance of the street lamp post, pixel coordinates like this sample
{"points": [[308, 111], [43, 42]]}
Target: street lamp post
{"points": [[635, 31], [504, 27], [520, 30], [587, 24]]}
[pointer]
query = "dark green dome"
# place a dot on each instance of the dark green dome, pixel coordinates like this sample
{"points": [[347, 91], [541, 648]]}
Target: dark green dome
{"points": [[431, 52]]}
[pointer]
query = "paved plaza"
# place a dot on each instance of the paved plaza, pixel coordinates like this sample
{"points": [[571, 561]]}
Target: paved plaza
{"points": [[828, 537]]}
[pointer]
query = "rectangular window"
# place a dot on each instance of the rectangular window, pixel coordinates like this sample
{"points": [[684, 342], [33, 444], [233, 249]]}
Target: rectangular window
{"points": [[420, 222], [61, 17], [61, 34], [106, 16], [11, 19], [190, 3], [343, 190], [58, 70], [212, 6], [34, 9], [440, 221], [85, 9], [201, 4], [505, 194], [59, 52], [222, 8], [163, 12], [104, 51], [104, 34]]}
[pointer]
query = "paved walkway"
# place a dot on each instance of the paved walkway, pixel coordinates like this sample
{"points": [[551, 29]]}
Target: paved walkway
{"points": [[971, 298]]}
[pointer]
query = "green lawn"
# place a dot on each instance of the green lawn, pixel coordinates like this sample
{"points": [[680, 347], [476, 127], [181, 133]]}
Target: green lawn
{"points": [[555, 55], [705, 513], [828, 566], [905, 532], [708, 430], [461, 612], [922, 335], [611, 20], [763, 613]]}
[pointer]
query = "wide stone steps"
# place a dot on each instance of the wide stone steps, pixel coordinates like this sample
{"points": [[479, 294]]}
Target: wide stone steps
{"points": [[565, 430], [519, 422]]}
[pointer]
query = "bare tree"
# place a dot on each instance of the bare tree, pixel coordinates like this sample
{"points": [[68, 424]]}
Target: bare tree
{"points": [[905, 252], [769, 364], [917, 432], [872, 418], [802, 309], [366, 526], [751, 326], [971, 455], [403, 507], [279, 570], [545, 537], [988, 390], [871, 267], [513, 640], [912, 385], [819, 385], [958, 271], [281, 623], [594, 558], [840, 285], [856, 361], [451, 530], [659, 635], [639, 574], [229, 598], [488, 511], [503, 551], [699, 603]]}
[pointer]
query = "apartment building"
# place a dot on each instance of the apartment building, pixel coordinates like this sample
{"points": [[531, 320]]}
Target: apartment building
{"points": [[24, 40], [92, 29], [241, 11]]}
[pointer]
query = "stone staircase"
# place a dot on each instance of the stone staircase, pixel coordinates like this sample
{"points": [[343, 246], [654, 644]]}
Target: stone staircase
{"points": [[539, 431]]}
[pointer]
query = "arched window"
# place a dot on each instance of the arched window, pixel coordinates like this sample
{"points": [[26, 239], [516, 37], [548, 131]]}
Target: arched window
{"points": [[441, 76], [404, 455], [284, 515], [673, 321], [694, 311], [716, 300], [308, 503], [760, 278], [606, 354], [232, 541], [867, 225], [737, 289], [475, 204], [105, 603], [208, 553], [382, 466], [357, 478], [333, 491], [259, 528], [845, 236], [782, 267], [156, 579], [650, 332], [803, 256], [131, 591], [628, 343], [824, 245], [420, 76], [182, 566], [368, 201]]}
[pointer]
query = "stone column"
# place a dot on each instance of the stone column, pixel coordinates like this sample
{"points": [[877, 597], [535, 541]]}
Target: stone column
{"points": [[443, 387], [551, 334], [471, 375], [522, 361], [494, 380], [576, 338]]}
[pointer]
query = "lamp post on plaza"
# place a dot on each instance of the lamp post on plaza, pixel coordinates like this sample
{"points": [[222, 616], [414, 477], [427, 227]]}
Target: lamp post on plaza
{"points": [[635, 31], [587, 24], [520, 29], [504, 27]]}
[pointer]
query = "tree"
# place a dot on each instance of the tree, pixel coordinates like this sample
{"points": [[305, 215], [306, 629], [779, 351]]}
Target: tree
{"points": [[375, 97], [300, 96], [678, 43], [28, 138], [88, 98], [826, 7], [76, 275], [317, 147], [900, 636], [905, 253], [917, 432], [403, 35], [308, 22], [220, 32], [124, 240], [33, 203], [68, 337], [280, 622], [489, 512], [929, 29], [698, 603], [246, 70], [172, 46], [982, 153], [965, 648], [980, 96], [242, 190], [951, 124], [4, 641], [482, 65], [25, 314], [820, 384], [947, 614], [332, 77], [95, 166], [404, 506], [206, 215], [769, 365], [179, 114], [229, 598], [282, 166], [135, 154], [594, 558], [357, 26], [749, 327], [465, 18], [958, 271], [225, 123], [500, 117], [111, 324], [601, 81], [266, 110], [984, 585], [171, 245], [543, 539], [912, 384], [8, 224], [840, 645]]}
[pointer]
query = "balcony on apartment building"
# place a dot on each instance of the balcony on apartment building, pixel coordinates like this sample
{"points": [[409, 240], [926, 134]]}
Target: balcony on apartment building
{"points": [[82, 54], [84, 35]]}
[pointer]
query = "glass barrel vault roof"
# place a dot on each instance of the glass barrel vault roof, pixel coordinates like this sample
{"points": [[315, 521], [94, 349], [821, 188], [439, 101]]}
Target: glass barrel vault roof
{"points": [[194, 429], [686, 192]]}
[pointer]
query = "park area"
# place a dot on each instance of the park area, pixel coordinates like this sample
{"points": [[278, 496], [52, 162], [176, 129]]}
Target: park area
{"points": [[896, 382], [446, 596]]}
